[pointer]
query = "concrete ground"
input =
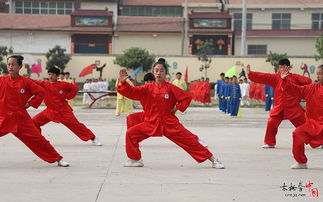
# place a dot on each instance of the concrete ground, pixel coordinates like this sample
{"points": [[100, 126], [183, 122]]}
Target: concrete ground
{"points": [[170, 174]]}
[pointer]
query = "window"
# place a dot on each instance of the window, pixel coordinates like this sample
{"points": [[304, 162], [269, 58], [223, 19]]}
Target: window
{"points": [[257, 49], [237, 21], [281, 20], [153, 11], [45, 7], [317, 20]]}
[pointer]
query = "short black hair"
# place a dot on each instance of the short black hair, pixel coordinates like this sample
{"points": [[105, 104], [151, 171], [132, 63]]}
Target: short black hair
{"points": [[19, 58], [320, 67], [180, 73], [149, 77], [226, 77], [222, 74], [67, 73], [284, 62], [54, 70]]}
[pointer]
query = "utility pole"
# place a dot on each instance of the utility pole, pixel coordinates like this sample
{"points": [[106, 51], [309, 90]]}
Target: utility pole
{"points": [[244, 28], [10, 6], [185, 29]]}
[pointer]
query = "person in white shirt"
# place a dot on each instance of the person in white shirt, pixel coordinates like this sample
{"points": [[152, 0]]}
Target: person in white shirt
{"points": [[245, 93]]}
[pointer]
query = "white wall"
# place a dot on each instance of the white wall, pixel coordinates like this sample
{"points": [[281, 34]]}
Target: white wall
{"points": [[162, 44], [35, 42], [218, 65], [293, 46]]}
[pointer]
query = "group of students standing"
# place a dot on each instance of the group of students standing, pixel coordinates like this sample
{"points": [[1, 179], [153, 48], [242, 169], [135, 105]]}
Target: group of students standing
{"points": [[229, 95], [160, 101]]}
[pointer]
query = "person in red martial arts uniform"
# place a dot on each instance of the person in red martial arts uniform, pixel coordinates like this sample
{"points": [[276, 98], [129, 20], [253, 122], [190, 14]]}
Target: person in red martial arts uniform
{"points": [[160, 101], [311, 132], [17, 93], [58, 110], [287, 107]]}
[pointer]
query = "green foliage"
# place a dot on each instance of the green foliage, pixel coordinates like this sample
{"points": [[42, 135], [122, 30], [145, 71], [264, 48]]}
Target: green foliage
{"points": [[56, 58], [135, 57], [112, 84], [319, 48], [274, 58], [4, 52], [205, 49]]}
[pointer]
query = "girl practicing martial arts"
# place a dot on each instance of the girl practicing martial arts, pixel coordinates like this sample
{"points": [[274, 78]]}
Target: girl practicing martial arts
{"points": [[17, 93], [160, 101]]}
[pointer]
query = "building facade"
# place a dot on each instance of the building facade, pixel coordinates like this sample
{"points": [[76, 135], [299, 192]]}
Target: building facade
{"points": [[168, 27]]}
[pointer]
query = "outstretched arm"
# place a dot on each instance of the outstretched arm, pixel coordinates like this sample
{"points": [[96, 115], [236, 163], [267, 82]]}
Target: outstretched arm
{"points": [[263, 78], [125, 89], [300, 92]]}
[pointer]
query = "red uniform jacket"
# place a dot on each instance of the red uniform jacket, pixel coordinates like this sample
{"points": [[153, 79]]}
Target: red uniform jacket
{"points": [[56, 96], [158, 101], [14, 94], [283, 101], [313, 94]]}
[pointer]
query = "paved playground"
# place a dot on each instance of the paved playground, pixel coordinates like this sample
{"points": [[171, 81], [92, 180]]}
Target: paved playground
{"points": [[169, 174]]}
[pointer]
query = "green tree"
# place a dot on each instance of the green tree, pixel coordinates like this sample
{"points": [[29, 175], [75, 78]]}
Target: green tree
{"points": [[274, 58], [319, 48], [56, 57], [204, 50], [135, 57], [4, 52]]}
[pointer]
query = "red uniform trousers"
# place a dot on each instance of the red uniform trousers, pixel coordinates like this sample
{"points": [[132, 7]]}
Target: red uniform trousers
{"points": [[135, 119], [273, 124], [309, 133], [178, 134], [30, 136], [68, 120]]}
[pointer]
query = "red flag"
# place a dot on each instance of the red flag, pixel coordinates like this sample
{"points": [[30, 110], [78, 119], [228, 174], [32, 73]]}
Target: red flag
{"points": [[186, 75], [87, 70]]}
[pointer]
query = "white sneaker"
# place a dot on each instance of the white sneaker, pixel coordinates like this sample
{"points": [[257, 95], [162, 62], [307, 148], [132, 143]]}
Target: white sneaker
{"points": [[266, 146], [321, 146], [217, 164], [96, 141], [134, 163], [63, 163], [299, 166], [203, 143]]}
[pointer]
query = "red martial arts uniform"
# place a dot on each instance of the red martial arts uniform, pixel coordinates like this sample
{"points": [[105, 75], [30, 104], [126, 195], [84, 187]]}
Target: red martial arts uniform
{"points": [[14, 118], [135, 119], [59, 111], [310, 132], [158, 101], [286, 106]]}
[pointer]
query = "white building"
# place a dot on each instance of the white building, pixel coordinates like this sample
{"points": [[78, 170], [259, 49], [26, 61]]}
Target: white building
{"points": [[281, 26]]}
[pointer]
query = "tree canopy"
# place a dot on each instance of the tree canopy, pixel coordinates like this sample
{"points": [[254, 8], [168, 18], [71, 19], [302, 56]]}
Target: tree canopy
{"points": [[135, 57], [56, 57]]}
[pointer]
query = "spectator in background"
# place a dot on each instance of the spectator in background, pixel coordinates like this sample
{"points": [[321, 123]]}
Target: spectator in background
{"points": [[179, 82]]}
